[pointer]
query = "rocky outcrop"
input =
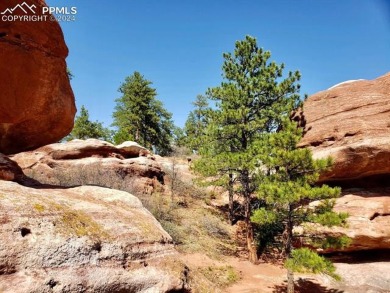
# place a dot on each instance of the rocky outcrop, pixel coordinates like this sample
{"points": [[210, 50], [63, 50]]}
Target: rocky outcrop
{"points": [[36, 101], [83, 239], [126, 167], [356, 277], [368, 224], [351, 123]]}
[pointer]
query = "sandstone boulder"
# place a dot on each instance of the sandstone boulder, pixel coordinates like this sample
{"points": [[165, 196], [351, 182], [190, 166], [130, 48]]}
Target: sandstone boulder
{"points": [[83, 239], [368, 224], [93, 162], [36, 101], [351, 123], [132, 149], [367, 272]]}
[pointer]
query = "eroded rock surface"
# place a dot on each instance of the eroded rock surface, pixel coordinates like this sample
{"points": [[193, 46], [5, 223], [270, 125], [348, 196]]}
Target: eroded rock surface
{"points": [[368, 224], [128, 167], [351, 123], [83, 239], [36, 101], [360, 272]]}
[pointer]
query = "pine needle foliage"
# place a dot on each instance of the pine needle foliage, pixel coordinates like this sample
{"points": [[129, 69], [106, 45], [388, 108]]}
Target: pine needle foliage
{"points": [[196, 123], [248, 103], [140, 117], [288, 187], [84, 128]]}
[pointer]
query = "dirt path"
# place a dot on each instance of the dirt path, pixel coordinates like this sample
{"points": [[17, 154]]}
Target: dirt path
{"points": [[263, 278], [254, 278]]}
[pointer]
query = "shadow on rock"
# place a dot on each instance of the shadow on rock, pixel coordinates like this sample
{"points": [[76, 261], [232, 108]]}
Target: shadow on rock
{"points": [[305, 286], [361, 257], [33, 183]]}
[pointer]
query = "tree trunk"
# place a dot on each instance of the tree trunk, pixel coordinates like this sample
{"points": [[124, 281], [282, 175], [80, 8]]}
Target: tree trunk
{"points": [[252, 248], [290, 281], [250, 241], [231, 199], [290, 273]]}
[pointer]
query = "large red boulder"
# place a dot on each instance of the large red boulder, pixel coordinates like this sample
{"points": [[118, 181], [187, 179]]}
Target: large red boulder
{"points": [[351, 123], [36, 100]]}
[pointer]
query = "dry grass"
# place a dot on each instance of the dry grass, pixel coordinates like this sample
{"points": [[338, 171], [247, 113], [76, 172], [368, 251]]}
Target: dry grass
{"points": [[194, 225], [212, 279]]}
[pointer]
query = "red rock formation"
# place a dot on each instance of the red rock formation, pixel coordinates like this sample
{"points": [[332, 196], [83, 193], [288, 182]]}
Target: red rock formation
{"points": [[93, 162], [368, 224], [351, 123], [36, 101], [83, 239]]}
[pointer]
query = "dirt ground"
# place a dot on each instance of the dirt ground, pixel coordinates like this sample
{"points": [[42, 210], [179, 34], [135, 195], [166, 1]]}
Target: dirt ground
{"points": [[260, 278], [270, 278]]}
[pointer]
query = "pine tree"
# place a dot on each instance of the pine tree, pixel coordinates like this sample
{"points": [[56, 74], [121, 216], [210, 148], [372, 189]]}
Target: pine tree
{"points": [[248, 103], [178, 136], [196, 123], [85, 128], [139, 116], [287, 188]]}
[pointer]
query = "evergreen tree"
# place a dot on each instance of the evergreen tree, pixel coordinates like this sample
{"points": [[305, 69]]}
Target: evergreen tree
{"points": [[178, 136], [249, 103], [196, 123], [287, 187], [139, 116], [84, 128]]}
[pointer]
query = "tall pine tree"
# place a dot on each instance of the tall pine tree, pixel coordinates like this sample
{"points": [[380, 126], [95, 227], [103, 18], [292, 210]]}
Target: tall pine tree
{"points": [[249, 103], [139, 116]]}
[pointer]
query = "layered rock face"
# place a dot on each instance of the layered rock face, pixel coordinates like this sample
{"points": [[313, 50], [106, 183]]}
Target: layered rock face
{"points": [[87, 238], [83, 239], [368, 224], [350, 122], [126, 167], [36, 101]]}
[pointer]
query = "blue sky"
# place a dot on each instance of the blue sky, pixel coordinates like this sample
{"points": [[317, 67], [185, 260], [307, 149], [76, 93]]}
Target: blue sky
{"points": [[178, 44]]}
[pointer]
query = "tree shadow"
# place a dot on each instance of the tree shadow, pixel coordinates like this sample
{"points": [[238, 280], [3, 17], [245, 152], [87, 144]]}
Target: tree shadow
{"points": [[305, 286], [238, 211]]}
